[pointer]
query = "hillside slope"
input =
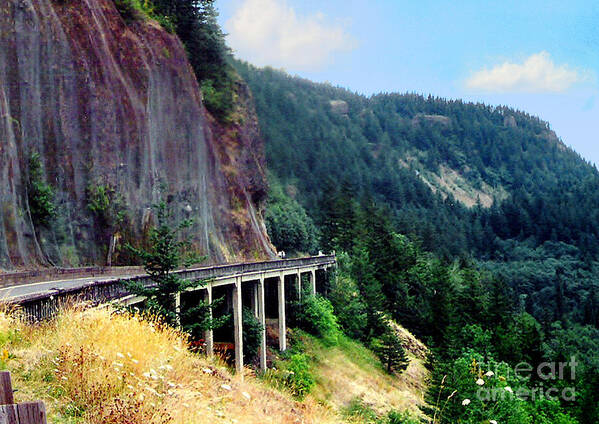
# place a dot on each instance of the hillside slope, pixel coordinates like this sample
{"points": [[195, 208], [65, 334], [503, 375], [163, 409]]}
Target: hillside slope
{"points": [[98, 366], [106, 115]]}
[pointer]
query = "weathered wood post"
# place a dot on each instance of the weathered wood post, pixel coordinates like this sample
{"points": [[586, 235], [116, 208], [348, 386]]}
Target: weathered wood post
{"points": [[262, 319], [282, 323], [209, 333], [238, 325], [6, 396], [23, 413]]}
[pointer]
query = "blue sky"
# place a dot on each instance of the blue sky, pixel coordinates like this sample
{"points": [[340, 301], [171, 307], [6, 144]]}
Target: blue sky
{"points": [[538, 56]]}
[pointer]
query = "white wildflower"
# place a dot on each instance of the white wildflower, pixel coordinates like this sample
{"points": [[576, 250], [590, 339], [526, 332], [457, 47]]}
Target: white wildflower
{"points": [[466, 402], [489, 374], [492, 422], [480, 382]]}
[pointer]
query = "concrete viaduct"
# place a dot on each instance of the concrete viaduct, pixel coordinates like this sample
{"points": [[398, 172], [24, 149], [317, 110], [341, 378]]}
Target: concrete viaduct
{"points": [[42, 300]]}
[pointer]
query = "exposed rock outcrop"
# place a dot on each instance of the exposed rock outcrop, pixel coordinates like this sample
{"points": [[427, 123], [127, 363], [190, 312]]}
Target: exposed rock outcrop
{"points": [[116, 104]]}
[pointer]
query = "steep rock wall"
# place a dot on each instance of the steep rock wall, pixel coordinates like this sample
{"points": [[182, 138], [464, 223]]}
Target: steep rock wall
{"points": [[116, 104]]}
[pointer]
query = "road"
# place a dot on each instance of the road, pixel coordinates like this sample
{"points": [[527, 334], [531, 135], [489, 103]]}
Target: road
{"points": [[50, 287]]}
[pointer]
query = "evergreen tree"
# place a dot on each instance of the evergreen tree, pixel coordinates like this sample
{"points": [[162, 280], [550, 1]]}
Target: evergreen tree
{"points": [[164, 255], [389, 349]]}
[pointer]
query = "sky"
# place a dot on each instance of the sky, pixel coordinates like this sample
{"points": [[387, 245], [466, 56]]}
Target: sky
{"points": [[541, 57]]}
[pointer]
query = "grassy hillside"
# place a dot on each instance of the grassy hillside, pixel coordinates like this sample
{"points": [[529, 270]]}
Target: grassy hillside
{"points": [[98, 366]]}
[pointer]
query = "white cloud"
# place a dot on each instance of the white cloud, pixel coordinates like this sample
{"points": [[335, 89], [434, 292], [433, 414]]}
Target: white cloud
{"points": [[269, 32], [538, 74]]}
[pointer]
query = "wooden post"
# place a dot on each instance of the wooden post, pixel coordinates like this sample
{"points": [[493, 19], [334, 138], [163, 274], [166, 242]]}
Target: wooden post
{"points": [[282, 324], [262, 319], [8, 414], [209, 333], [238, 325], [23, 413], [6, 396], [31, 413]]}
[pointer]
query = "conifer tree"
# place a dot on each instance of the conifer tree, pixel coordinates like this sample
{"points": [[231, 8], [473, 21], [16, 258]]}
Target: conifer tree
{"points": [[389, 349]]}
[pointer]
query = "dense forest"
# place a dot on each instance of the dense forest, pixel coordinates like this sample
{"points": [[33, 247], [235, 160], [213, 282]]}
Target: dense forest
{"points": [[474, 226]]}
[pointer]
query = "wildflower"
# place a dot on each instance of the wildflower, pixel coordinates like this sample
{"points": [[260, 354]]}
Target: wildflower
{"points": [[466, 402], [508, 389], [480, 382], [489, 374], [492, 422], [4, 355], [226, 387]]}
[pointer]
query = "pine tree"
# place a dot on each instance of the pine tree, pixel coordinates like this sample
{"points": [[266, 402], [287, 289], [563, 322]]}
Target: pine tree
{"points": [[160, 261], [389, 349]]}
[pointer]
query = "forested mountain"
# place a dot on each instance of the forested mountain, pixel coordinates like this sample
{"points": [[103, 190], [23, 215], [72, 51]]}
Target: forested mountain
{"points": [[506, 211]]}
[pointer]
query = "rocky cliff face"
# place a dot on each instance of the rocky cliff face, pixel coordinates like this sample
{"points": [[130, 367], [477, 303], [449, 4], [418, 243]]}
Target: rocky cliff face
{"points": [[115, 105]]}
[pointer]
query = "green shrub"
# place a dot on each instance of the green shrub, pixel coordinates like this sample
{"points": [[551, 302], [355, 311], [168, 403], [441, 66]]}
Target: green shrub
{"points": [[293, 374], [131, 10], [316, 316], [40, 194], [396, 417], [357, 409], [218, 99]]}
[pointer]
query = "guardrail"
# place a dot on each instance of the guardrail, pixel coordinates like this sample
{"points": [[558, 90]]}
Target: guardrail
{"points": [[40, 306]]}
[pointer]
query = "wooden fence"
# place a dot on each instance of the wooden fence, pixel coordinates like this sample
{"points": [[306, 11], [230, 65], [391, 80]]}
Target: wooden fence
{"points": [[22, 413]]}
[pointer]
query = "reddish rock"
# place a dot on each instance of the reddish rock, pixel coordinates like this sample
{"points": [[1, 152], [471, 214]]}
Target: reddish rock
{"points": [[114, 103]]}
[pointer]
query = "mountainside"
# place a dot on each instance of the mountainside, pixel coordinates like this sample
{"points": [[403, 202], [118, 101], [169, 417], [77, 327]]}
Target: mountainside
{"points": [[447, 169], [100, 118]]}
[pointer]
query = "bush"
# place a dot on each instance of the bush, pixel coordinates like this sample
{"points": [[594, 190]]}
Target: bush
{"points": [[40, 194], [349, 307], [294, 374], [289, 226], [316, 316], [395, 417]]}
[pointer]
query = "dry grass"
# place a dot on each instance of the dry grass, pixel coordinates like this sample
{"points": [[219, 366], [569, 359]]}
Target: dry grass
{"points": [[97, 366], [349, 371]]}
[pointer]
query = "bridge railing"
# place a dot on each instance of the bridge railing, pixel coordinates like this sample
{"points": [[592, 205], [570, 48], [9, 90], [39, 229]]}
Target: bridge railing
{"points": [[40, 306]]}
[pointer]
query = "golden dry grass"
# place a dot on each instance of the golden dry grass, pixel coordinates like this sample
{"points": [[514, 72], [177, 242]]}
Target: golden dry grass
{"points": [[349, 371], [97, 366]]}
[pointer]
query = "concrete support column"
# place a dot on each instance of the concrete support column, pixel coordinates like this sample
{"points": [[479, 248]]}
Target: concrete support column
{"points": [[313, 281], [254, 299], [282, 323], [238, 325], [178, 310], [209, 334], [262, 319], [299, 284]]}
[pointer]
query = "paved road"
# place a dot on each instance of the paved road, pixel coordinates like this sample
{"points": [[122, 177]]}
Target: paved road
{"points": [[49, 287]]}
